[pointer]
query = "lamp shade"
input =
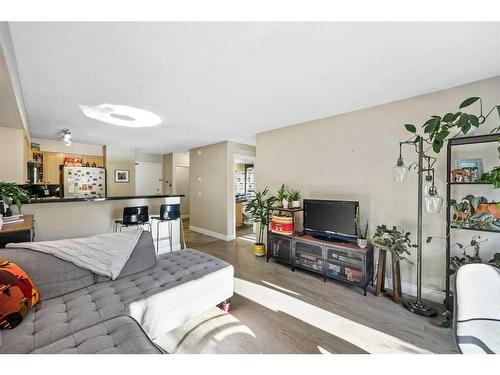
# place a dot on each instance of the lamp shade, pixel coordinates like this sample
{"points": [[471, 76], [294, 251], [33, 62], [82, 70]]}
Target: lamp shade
{"points": [[399, 171], [433, 202]]}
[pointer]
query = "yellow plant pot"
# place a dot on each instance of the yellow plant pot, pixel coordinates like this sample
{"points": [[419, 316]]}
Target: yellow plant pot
{"points": [[259, 249]]}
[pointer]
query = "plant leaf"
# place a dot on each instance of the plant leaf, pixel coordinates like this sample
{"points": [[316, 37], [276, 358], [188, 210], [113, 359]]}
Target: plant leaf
{"points": [[411, 128], [448, 117], [437, 144], [469, 101]]}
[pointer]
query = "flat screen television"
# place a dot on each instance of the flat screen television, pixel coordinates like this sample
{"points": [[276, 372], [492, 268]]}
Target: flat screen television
{"points": [[330, 219]]}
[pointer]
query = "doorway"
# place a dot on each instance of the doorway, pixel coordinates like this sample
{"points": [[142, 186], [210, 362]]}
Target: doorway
{"points": [[243, 191], [148, 179], [181, 186]]}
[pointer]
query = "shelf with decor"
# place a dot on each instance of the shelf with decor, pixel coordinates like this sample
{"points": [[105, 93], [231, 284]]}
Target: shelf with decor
{"points": [[459, 214]]}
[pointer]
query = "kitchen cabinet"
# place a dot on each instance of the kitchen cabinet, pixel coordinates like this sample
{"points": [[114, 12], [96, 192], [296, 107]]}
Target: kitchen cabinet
{"points": [[51, 162], [51, 168]]}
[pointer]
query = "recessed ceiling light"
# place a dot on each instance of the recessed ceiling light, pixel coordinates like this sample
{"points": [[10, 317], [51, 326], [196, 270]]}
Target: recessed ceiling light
{"points": [[121, 115]]}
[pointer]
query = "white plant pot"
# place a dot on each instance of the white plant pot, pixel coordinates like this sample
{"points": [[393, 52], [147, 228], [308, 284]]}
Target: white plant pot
{"points": [[362, 243], [285, 203], [295, 204]]}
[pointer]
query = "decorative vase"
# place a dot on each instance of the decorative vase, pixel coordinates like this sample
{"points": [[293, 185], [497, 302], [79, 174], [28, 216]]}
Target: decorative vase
{"points": [[8, 212], [259, 249], [285, 203], [362, 242], [295, 204]]}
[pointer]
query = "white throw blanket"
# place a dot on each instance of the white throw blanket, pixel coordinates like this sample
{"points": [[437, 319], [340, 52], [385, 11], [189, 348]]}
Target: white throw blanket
{"points": [[104, 254]]}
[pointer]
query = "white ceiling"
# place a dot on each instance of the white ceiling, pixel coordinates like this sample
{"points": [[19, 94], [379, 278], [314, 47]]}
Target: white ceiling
{"points": [[211, 82]]}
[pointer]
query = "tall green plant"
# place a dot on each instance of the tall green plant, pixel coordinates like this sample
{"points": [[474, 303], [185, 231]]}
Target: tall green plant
{"points": [[361, 234], [259, 208], [11, 194], [281, 193]]}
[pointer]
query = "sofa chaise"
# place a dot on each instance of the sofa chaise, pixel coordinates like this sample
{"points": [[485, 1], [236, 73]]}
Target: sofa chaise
{"points": [[81, 312]]}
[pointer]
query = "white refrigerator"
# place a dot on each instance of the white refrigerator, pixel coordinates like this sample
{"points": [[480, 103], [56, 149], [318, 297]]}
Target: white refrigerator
{"points": [[84, 182]]}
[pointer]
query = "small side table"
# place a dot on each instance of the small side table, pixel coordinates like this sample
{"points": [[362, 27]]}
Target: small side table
{"points": [[396, 276], [18, 232]]}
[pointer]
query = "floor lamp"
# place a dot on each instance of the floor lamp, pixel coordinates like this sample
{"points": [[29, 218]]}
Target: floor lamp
{"points": [[428, 198]]}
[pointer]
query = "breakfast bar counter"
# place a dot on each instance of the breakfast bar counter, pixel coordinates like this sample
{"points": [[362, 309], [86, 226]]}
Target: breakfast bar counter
{"points": [[101, 199], [57, 218]]}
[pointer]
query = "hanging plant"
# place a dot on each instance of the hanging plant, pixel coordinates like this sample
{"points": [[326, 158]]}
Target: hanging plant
{"points": [[438, 129]]}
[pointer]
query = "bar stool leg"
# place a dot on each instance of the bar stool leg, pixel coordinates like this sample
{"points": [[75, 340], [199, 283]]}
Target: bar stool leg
{"points": [[170, 234], [182, 234], [158, 237]]}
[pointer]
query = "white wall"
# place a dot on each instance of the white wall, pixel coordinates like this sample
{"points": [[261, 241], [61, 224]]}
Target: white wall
{"points": [[350, 156]]}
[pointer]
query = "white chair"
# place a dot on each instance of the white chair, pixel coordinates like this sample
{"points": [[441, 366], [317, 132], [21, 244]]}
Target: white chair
{"points": [[477, 309]]}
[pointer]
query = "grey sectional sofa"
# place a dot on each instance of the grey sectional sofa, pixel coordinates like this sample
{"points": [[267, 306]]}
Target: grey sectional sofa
{"points": [[81, 312]]}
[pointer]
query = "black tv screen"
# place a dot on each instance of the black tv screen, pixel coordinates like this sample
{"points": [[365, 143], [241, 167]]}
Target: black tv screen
{"points": [[330, 219]]}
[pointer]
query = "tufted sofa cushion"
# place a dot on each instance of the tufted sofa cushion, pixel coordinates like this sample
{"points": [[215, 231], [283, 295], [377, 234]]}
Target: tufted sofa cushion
{"points": [[147, 296], [120, 335]]}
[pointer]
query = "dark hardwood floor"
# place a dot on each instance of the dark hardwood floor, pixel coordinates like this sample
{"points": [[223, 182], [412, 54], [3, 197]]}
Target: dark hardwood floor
{"points": [[275, 310]]}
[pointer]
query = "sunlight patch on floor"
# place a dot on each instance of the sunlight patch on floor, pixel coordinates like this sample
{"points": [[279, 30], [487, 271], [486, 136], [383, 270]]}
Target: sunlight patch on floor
{"points": [[364, 337], [246, 238], [280, 288], [204, 334], [323, 350]]}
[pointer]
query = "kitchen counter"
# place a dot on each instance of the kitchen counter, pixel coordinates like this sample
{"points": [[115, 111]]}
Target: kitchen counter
{"points": [[80, 217], [66, 200]]}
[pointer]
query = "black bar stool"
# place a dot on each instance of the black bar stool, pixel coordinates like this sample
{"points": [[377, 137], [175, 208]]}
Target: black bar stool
{"points": [[133, 216], [168, 213]]}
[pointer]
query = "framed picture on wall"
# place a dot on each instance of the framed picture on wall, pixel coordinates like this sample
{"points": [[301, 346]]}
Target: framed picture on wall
{"points": [[122, 175]]}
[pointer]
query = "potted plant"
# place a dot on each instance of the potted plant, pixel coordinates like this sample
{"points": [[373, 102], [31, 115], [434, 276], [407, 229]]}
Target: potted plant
{"points": [[457, 261], [11, 194], [259, 207], [495, 261], [282, 196], [294, 196], [362, 240], [397, 242]]}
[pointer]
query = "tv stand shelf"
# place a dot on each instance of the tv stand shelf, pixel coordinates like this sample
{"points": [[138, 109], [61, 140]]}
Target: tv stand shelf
{"points": [[343, 261]]}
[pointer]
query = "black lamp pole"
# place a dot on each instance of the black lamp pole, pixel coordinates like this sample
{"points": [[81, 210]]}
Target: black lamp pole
{"points": [[416, 306]]}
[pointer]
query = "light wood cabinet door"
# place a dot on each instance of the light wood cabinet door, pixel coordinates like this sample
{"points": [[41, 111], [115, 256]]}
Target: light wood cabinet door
{"points": [[239, 214], [51, 168]]}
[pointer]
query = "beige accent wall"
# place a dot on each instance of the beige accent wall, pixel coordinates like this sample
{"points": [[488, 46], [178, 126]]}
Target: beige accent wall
{"points": [[119, 157], [13, 155], [208, 188], [211, 187], [350, 156]]}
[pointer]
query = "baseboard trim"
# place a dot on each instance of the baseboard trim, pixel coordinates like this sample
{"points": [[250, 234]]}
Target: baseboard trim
{"points": [[206, 232], [429, 294]]}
